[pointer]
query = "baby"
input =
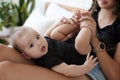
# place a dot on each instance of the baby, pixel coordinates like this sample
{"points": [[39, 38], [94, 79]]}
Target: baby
{"points": [[54, 54]]}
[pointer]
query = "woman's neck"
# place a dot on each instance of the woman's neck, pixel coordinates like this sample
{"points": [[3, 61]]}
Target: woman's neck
{"points": [[105, 17], [106, 13]]}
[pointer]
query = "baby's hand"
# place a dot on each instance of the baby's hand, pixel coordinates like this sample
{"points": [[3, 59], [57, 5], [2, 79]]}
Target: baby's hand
{"points": [[90, 62]]}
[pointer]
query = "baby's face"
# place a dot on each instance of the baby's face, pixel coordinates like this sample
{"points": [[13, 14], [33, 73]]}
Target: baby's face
{"points": [[32, 44]]}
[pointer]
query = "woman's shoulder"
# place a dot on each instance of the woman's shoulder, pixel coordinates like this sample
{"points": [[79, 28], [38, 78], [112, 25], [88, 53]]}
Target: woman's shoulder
{"points": [[117, 25], [118, 20]]}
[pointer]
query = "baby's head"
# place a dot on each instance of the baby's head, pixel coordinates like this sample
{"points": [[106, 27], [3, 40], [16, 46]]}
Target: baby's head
{"points": [[29, 42]]}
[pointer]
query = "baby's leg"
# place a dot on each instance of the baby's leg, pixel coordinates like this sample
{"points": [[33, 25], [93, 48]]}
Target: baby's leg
{"points": [[82, 41], [62, 31]]}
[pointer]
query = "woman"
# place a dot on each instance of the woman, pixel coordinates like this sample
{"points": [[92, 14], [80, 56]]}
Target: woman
{"points": [[108, 33], [105, 39]]}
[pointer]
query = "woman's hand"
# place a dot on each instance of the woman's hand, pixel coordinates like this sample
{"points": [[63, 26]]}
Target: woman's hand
{"points": [[87, 21], [74, 20]]}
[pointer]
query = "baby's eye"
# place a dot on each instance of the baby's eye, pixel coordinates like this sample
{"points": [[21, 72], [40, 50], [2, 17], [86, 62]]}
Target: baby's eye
{"points": [[38, 37], [31, 45]]}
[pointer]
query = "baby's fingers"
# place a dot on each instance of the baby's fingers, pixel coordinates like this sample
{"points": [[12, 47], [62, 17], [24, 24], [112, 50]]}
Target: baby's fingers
{"points": [[88, 55], [93, 60], [87, 13], [84, 18], [78, 13]]}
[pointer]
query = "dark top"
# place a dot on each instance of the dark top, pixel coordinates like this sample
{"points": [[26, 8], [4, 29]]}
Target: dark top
{"points": [[110, 34], [58, 52]]}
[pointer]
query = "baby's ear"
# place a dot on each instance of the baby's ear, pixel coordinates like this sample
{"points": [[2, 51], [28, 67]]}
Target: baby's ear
{"points": [[26, 56]]}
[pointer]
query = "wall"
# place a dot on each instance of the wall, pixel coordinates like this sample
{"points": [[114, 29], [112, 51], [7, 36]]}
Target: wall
{"points": [[85, 4]]}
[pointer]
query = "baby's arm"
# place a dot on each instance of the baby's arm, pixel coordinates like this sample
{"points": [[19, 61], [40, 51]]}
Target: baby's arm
{"points": [[76, 70]]}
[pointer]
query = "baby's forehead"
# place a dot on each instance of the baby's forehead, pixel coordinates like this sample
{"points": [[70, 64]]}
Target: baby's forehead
{"points": [[25, 34], [24, 31], [27, 30]]}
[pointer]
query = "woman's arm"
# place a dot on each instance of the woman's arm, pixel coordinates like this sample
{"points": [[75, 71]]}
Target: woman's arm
{"points": [[15, 71], [110, 66], [14, 67], [10, 54]]}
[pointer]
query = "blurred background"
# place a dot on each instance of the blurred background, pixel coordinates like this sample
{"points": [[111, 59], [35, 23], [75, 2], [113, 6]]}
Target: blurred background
{"points": [[37, 14]]}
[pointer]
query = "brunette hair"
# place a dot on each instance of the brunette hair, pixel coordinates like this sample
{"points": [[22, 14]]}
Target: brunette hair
{"points": [[95, 7]]}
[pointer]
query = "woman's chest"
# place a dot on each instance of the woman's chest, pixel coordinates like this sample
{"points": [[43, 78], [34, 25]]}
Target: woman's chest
{"points": [[108, 35], [103, 22]]}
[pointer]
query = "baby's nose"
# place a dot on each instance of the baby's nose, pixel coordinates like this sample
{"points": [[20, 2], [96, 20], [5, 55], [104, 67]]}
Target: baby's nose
{"points": [[38, 42]]}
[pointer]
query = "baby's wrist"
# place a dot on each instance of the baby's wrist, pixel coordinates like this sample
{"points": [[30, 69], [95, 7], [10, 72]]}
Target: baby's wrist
{"points": [[87, 68]]}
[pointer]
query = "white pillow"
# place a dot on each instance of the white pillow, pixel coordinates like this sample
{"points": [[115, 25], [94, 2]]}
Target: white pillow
{"points": [[39, 22], [55, 11]]}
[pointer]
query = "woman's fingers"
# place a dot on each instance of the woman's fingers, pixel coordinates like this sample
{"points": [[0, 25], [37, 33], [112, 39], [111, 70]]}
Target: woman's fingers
{"points": [[87, 13], [74, 20], [77, 13]]}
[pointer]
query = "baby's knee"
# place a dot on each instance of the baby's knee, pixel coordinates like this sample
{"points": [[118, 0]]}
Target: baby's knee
{"points": [[80, 48]]}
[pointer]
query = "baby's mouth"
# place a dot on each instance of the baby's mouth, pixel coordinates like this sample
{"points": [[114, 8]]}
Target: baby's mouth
{"points": [[43, 49]]}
